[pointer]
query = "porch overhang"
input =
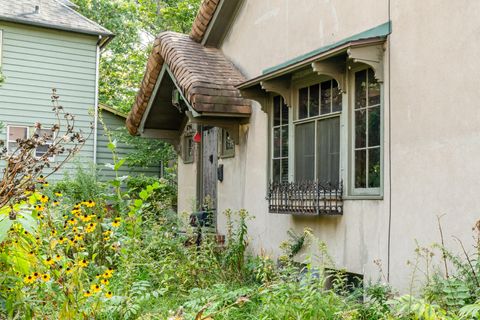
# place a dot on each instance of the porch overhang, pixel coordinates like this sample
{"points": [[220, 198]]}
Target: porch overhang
{"points": [[366, 47], [203, 81]]}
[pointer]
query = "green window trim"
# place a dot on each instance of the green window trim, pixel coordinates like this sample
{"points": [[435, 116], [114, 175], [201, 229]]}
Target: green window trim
{"points": [[366, 132]]}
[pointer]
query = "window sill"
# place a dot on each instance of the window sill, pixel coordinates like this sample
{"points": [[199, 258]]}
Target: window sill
{"points": [[363, 197]]}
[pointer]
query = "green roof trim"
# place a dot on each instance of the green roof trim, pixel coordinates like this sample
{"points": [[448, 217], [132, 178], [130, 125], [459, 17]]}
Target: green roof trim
{"points": [[382, 30]]}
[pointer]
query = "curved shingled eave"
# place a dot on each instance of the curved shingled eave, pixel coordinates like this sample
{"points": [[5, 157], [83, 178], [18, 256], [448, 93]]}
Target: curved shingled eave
{"points": [[205, 76], [203, 19]]}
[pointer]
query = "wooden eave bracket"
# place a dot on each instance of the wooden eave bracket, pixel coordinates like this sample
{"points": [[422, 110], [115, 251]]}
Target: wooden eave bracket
{"points": [[335, 70], [279, 86], [370, 55], [256, 94]]}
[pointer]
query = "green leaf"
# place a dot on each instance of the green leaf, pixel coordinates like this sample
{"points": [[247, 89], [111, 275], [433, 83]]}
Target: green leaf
{"points": [[143, 195], [27, 221], [5, 224], [112, 145], [119, 164]]}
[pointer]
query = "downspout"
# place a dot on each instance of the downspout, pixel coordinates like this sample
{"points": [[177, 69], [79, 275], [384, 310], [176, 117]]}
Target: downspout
{"points": [[95, 121]]}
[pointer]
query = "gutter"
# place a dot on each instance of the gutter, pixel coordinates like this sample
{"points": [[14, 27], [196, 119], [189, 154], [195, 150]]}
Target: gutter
{"points": [[95, 123]]}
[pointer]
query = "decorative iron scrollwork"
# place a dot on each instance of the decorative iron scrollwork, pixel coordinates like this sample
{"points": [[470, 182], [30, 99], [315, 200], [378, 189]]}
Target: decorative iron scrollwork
{"points": [[305, 198]]}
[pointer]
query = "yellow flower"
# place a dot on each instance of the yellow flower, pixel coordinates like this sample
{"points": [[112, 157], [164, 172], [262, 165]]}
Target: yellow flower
{"points": [[90, 203], [108, 294], [83, 263], [39, 207], [58, 194], [31, 253], [45, 277], [107, 274], [72, 221], [106, 238], [91, 227], [98, 276], [68, 270], [107, 233], [36, 275], [87, 293], [46, 184], [61, 240], [78, 237], [86, 218], [95, 288], [53, 232], [56, 203], [57, 257], [74, 229], [49, 261], [116, 222], [28, 279], [43, 198], [27, 193], [104, 281]]}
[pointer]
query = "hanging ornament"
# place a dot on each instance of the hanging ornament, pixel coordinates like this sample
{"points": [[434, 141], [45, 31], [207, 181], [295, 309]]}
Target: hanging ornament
{"points": [[197, 137]]}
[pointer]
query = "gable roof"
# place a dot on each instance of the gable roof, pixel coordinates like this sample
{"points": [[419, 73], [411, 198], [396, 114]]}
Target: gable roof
{"points": [[50, 14], [205, 76]]}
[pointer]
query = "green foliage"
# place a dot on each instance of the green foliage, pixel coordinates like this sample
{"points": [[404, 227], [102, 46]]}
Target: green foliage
{"points": [[147, 152], [134, 23], [83, 184]]}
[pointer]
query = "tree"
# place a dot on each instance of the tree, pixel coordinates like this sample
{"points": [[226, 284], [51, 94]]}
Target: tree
{"points": [[135, 24]]}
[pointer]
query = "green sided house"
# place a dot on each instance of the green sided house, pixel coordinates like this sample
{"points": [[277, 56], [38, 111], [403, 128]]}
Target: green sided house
{"points": [[43, 45], [356, 119]]}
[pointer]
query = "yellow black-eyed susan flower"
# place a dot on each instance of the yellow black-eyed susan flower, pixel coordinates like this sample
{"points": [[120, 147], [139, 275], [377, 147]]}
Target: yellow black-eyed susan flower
{"points": [[83, 263], [53, 232], [58, 194], [56, 203], [29, 279], [72, 221], [95, 288], [36, 275], [68, 270], [104, 281], [43, 198], [49, 261], [90, 203], [61, 240], [45, 277], [108, 294], [87, 293], [116, 222], [57, 257]]}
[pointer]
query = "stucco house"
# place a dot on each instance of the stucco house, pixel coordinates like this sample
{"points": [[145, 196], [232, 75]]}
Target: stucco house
{"points": [[46, 44], [357, 119]]}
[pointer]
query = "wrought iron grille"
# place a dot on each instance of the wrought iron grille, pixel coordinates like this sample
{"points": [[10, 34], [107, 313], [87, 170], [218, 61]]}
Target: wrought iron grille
{"points": [[305, 198]]}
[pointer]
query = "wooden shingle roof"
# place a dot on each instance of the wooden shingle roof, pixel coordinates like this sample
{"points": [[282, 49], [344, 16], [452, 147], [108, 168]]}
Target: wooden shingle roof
{"points": [[205, 76]]}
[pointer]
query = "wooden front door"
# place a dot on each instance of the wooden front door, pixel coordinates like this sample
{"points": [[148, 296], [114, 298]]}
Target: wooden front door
{"points": [[209, 167]]}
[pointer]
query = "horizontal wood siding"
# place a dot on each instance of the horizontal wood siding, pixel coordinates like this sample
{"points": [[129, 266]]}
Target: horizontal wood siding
{"points": [[35, 60], [104, 155]]}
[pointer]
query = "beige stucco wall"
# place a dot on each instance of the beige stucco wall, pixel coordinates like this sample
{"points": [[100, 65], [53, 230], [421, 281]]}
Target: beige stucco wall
{"points": [[187, 185], [431, 72]]}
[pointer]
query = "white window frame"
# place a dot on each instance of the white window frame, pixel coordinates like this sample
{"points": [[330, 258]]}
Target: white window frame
{"points": [[8, 141], [363, 193], [48, 144]]}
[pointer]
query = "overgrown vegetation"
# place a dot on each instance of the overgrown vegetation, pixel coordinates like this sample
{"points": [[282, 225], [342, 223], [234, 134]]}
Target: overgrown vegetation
{"points": [[82, 249]]}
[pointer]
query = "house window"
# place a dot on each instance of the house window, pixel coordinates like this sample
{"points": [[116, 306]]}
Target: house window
{"points": [[279, 140], [187, 148], [317, 133], [15, 133], [47, 136], [366, 131], [227, 145]]}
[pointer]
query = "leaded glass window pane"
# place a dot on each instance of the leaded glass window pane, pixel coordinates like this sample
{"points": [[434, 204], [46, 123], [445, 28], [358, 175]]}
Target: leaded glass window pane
{"points": [[367, 122]]}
